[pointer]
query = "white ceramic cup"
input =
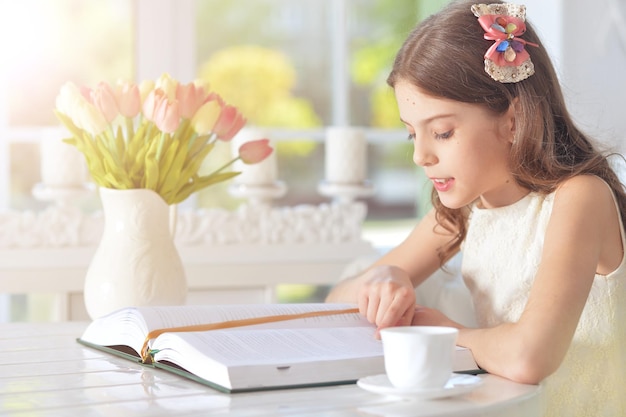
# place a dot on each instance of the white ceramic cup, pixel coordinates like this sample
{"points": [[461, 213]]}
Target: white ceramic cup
{"points": [[419, 357]]}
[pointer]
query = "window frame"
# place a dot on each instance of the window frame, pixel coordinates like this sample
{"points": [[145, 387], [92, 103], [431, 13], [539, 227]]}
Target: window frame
{"points": [[170, 46]]}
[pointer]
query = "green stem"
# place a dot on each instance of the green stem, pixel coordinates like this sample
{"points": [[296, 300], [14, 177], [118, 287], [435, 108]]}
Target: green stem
{"points": [[223, 167], [130, 128], [162, 140], [111, 144]]}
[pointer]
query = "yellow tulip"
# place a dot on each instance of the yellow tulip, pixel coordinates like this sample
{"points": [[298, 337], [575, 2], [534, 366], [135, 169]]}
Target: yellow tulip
{"points": [[168, 85], [68, 95], [145, 88], [89, 118], [206, 116]]}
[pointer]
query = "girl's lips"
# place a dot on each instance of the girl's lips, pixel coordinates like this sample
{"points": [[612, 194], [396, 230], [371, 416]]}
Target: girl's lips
{"points": [[442, 184]]}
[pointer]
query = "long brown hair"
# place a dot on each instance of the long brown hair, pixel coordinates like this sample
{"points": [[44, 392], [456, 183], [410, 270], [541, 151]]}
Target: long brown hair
{"points": [[444, 56]]}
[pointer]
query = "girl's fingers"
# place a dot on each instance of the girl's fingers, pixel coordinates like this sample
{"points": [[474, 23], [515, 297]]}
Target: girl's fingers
{"points": [[397, 312], [384, 315], [407, 317], [387, 298], [373, 307], [368, 301]]}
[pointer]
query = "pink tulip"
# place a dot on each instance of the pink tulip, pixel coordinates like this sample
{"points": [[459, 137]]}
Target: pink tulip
{"points": [[86, 92], [229, 123], [190, 97], [128, 99], [216, 97], [164, 113], [167, 116], [151, 102], [103, 97], [255, 151]]}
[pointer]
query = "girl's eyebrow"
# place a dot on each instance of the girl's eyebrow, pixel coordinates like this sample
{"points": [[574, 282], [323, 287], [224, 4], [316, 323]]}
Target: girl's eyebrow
{"points": [[430, 119]]}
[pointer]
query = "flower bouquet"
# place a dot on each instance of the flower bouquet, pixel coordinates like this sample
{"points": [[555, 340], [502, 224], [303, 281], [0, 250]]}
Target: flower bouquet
{"points": [[144, 145], [153, 135]]}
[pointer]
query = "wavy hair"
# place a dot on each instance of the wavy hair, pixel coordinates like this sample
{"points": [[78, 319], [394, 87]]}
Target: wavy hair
{"points": [[444, 56]]}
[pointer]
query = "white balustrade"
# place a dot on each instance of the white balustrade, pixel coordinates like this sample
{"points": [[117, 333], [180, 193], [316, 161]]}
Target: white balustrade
{"points": [[229, 256]]}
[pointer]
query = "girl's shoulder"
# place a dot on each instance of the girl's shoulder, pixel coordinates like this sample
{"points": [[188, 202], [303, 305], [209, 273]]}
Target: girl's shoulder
{"points": [[585, 213], [584, 189], [587, 201]]}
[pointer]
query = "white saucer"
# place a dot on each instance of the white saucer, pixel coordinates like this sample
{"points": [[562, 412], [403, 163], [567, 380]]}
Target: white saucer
{"points": [[457, 384]]}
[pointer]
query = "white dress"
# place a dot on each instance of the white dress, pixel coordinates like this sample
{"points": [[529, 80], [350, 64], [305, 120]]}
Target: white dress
{"points": [[501, 254]]}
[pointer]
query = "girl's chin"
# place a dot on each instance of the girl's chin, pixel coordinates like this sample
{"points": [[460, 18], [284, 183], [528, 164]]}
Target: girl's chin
{"points": [[452, 203], [454, 206]]}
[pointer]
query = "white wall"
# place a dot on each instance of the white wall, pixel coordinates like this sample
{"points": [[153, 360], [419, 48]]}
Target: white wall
{"points": [[587, 41]]}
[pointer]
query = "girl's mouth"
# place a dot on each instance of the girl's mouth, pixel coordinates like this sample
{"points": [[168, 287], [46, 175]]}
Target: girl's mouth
{"points": [[442, 184]]}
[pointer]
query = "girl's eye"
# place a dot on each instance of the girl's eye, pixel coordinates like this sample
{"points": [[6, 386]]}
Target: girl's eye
{"points": [[411, 136], [445, 135]]}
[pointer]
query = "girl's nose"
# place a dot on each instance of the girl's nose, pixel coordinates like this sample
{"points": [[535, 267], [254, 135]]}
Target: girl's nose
{"points": [[422, 155]]}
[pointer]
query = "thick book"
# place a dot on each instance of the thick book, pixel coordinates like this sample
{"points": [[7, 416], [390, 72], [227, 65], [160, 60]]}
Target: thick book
{"points": [[240, 348]]}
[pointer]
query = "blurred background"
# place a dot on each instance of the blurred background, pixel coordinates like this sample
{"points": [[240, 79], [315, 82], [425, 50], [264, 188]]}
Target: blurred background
{"points": [[293, 67]]}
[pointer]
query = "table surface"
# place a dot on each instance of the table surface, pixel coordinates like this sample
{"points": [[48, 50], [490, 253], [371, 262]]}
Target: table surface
{"points": [[45, 372]]}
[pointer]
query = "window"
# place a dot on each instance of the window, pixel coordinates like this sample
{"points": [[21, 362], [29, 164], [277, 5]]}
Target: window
{"points": [[46, 44], [293, 67], [309, 64]]}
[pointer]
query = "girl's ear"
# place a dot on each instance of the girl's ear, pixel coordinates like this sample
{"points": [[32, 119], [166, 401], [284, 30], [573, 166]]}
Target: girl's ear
{"points": [[509, 126]]}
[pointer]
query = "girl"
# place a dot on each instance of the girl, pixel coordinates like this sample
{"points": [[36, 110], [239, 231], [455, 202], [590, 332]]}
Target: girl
{"points": [[536, 210]]}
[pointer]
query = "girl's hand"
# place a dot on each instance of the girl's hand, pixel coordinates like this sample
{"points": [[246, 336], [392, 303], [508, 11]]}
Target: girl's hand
{"points": [[424, 316], [387, 297]]}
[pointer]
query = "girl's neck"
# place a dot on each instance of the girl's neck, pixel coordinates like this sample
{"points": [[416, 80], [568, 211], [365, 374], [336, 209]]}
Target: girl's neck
{"points": [[505, 196]]}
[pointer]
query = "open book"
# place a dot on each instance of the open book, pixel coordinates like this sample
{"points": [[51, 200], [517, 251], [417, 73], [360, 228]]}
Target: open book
{"points": [[250, 347]]}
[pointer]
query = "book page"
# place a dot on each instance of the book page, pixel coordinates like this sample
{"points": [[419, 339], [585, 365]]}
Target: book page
{"points": [[175, 316], [130, 326], [282, 347]]}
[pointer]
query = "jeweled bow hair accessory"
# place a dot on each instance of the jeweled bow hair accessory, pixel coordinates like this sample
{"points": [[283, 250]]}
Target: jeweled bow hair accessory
{"points": [[506, 61]]}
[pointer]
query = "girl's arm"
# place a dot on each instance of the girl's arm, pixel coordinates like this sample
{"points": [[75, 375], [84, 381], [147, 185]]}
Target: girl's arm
{"points": [[385, 291], [582, 238]]}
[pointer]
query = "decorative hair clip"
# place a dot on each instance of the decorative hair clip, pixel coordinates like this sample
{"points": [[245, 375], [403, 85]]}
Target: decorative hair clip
{"points": [[506, 60]]}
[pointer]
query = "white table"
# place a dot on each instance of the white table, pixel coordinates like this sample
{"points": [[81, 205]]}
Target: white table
{"points": [[44, 372]]}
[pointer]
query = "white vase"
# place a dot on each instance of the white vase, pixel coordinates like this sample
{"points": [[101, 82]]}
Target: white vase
{"points": [[136, 262]]}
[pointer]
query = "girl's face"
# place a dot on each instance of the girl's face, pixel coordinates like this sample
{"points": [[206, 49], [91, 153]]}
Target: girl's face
{"points": [[462, 147]]}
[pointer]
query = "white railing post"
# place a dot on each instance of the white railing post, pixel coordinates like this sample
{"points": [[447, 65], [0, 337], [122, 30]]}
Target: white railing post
{"points": [[5, 172], [340, 57], [165, 39]]}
